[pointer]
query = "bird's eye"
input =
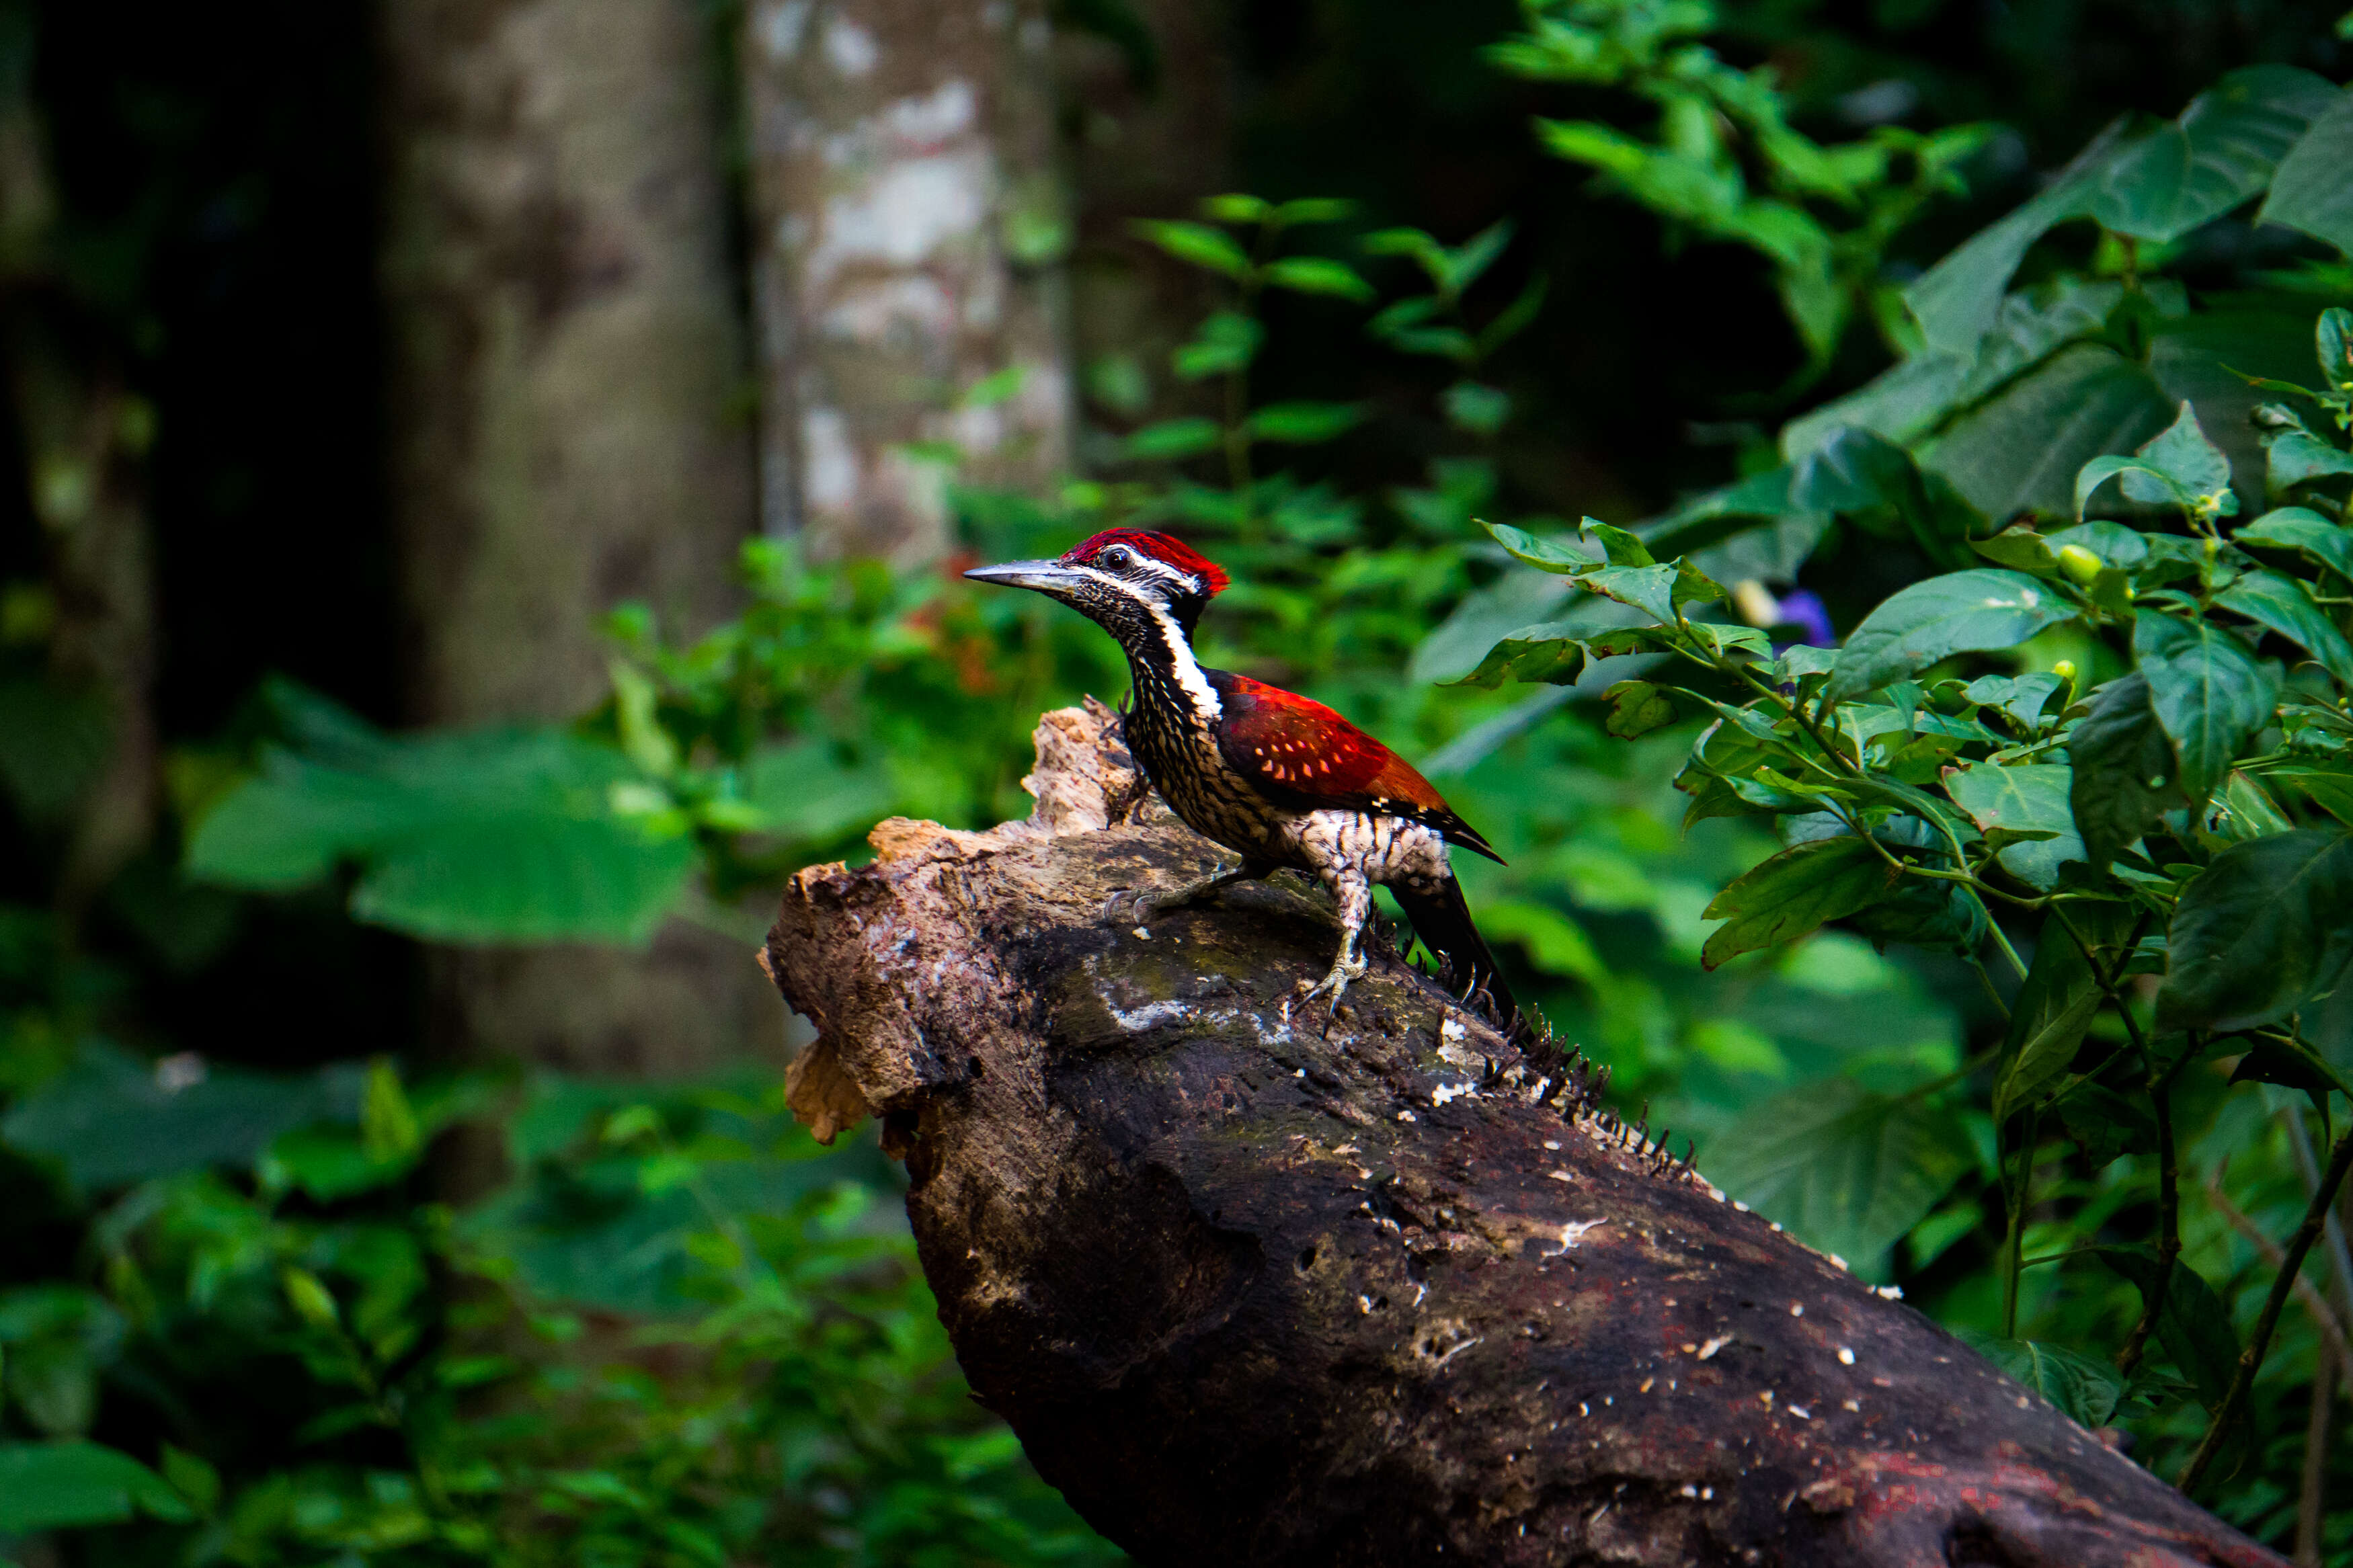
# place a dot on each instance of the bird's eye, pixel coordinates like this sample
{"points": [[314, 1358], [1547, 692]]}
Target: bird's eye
{"points": [[1119, 558]]}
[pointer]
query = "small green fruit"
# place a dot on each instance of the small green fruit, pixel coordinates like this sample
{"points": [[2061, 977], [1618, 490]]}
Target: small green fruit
{"points": [[2079, 563]]}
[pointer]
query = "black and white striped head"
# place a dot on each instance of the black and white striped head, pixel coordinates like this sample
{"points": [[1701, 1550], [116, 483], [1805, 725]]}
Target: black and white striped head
{"points": [[1125, 579]]}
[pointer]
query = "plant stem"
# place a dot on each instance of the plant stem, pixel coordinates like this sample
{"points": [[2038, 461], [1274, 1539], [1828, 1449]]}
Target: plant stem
{"points": [[2014, 1250], [2168, 1224], [2283, 1282]]}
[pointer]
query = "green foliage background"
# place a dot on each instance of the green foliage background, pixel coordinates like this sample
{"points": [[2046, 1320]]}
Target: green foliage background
{"points": [[2001, 432]]}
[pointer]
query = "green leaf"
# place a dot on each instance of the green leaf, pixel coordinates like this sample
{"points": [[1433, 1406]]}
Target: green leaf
{"points": [[2264, 929], [1304, 423], [1849, 1170], [2293, 457], [2054, 1006], [2104, 1125], [2179, 465], [1173, 438], [1931, 621], [2292, 1063], [107, 1120], [800, 789], [2209, 689], [1227, 341], [2309, 191], [1476, 408], [2301, 528], [1544, 554], [2333, 339], [1198, 244], [504, 835], [2126, 776], [1556, 944], [1534, 656], [2032, 799], [2193, 1325], [2021, 449], [1636, 708], [1649, 589], [1793, 893], [2220, 152], [1313, 209], [68, 1486], [1956, 301], [1622, 548], [1317, 275], [2085, 1389], [2279, 602]]}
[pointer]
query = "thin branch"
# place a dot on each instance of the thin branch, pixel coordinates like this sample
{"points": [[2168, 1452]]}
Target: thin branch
{"points": [[2251, 1358], [2313, 1302]]}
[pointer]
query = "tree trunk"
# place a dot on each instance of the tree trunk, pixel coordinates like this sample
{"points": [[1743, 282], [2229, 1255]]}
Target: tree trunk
{"points": [[908, 229], [566, 356], [1255, 1290]]}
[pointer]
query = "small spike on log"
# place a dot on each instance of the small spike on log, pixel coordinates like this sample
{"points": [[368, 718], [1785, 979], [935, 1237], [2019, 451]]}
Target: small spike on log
{"points": [[1254, 1293]]}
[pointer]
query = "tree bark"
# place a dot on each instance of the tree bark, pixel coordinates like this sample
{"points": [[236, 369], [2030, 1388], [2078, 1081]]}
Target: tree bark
{"points": [[567, 360], [907, 235], [1254, 1289]]}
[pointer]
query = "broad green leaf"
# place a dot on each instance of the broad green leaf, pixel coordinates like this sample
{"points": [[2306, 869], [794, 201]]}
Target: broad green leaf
{"points": [[2264, 929], [2036, 323], [2209, 689], [2193, 1325], [2279, 602], [1196, 244], [1906, 401], [2084, 1390], [2105, 1124], [2033, 799], [1621, 547], [2179, 465], [1793, 893], [2327, 788], [1650, 589], [2018, 451], [1312, 209], [2309, 190], [1227, 341], [1636, 708], [1304, 423], [68, 1486], [503, 836], [2126, 776], [2220, 152], [1174, 438], [799, 788], [2301, 528], [1959, 612], [2020, 550], [1956, 301], [2333, 339], [2292, 1063], [2298, 457], [1849, 1170], [108, 1122], [1517, 599], [1556, 944], [1544, 554], [1533, 657], [2054, 1006], [1317, 275], [1920, 913]]}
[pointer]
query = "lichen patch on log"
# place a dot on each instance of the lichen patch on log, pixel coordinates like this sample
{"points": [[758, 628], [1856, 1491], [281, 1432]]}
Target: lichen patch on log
{"points": [[1258, 1285]]}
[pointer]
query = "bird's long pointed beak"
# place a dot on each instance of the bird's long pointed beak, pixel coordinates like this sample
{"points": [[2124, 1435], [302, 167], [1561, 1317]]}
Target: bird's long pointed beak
{"points": [[1045, 576]]}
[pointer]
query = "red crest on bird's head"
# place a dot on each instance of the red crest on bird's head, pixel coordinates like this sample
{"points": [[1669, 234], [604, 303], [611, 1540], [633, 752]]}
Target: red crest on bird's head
{"points": [[1167, 549]]}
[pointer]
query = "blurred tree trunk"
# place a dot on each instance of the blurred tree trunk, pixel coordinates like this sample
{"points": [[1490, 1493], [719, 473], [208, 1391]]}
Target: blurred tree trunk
{"points": [[565, 352], [1148, 97], [84, 437], [907, 225]]}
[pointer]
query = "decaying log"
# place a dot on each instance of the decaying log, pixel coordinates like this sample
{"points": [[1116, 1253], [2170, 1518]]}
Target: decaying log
{"points": [[1253, 1292]]}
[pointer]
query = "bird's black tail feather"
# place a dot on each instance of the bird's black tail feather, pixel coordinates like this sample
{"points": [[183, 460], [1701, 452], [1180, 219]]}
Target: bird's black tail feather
{"points": [[1442, 921]]}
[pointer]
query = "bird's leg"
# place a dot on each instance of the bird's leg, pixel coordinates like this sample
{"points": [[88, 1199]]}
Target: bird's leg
{"points": [[1353, 896], [1141, 906]]}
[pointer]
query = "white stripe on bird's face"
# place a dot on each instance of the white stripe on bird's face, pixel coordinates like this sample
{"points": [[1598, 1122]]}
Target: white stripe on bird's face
{"points": [[1178, 650]]}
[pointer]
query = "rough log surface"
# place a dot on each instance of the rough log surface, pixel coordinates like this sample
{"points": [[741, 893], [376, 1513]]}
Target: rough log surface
{"points": [[1252, 1292]]}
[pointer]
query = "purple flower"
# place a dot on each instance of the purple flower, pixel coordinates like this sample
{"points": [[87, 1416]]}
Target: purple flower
{"points": [[1800, 608]]}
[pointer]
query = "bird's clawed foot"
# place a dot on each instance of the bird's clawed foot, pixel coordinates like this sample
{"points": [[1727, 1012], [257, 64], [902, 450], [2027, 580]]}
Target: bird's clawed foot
{"points": [[1348, 966]]}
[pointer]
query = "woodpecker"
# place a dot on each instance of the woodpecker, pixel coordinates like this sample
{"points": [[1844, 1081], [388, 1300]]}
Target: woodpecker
{"points": [[1283, 781]]}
